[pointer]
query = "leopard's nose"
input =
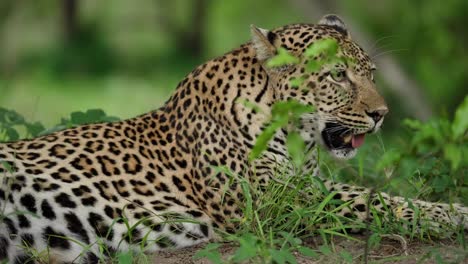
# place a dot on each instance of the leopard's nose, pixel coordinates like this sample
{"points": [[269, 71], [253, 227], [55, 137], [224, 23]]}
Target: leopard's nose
{"points": [[378, 114]]}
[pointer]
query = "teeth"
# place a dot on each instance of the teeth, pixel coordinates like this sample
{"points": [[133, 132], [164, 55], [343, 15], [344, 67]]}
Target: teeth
{"points": [[347, 138]]}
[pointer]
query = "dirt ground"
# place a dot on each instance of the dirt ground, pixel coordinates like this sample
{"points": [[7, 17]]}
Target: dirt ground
{"points": [[392, 249]]}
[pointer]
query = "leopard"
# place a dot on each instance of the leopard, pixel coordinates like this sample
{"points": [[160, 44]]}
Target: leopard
{"points": [[132, 184]]}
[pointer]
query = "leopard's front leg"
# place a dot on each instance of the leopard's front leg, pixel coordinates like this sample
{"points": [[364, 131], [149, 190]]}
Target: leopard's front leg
{"points": [[436, 218]]}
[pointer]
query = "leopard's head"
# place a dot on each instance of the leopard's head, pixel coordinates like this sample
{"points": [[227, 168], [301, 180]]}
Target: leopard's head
{"points": [[343, 93]]}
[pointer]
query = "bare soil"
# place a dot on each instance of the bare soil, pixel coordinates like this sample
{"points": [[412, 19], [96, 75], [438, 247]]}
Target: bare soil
{"points": [[391, 249]]}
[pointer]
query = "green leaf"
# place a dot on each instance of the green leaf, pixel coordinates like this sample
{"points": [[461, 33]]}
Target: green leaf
{"points": [[247, 248], [3, 113], [109, 119], [95, 114], [413, 124], [262, 140], [248, 211], [314, 65], [282, 58], [210, 252], [464, 151], [325, 250], [282, 256], [334, 60], [79, 118], [296, 82], [13, 118], [249, 105], [460, 122], [34, 129], [327, 46], [290, 238], [125, 258], [440, 184], [389, 158], [7, 166], [307, 252], [453, 154], [346, 256], [464, 193], [12, 134], [324, 52], [277, 256], [296, 148], [90, 116], [285, 108], [281, 114]]}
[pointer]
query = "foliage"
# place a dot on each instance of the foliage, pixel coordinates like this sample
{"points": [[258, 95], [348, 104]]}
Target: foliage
{"points": [[323, 52], [276, 225], [282, 214], [438, 151], [282, 114], [82, 118], [255, 249], [11, 121], [282, 58], [13, 126]]}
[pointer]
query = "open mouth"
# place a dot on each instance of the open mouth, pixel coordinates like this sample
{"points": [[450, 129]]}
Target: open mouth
{"points": [[337, 136]]}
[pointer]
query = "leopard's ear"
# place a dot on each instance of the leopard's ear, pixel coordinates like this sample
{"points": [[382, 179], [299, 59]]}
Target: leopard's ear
{"points": [[262, 40], [335, 22]]}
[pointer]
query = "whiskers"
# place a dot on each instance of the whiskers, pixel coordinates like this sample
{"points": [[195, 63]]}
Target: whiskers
{"points": [[379, 50], [325, 118], [387, 52], [342, 130], [335, 129], [376, 47], [347, 131], [341, 147]]}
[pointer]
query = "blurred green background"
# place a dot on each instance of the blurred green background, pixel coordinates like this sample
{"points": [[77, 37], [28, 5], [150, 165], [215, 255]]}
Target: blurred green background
{"points": [[125, 57]]}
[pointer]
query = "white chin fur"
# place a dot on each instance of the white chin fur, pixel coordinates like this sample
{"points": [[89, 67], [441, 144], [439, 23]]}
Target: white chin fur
{"points": [[343, 153]]}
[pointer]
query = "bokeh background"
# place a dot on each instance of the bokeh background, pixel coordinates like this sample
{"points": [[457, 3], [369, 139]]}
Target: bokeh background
{"points": [[125, 57]]}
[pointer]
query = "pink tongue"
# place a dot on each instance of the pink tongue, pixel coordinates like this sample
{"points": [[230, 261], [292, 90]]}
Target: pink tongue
{"points": [[357, 140]]}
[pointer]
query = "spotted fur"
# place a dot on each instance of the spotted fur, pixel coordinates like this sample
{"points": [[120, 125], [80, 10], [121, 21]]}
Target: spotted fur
{"points": [[134, 183]]}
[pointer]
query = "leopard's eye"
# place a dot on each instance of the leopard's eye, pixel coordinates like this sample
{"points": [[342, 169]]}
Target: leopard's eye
{"points": [[338, 75]]}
